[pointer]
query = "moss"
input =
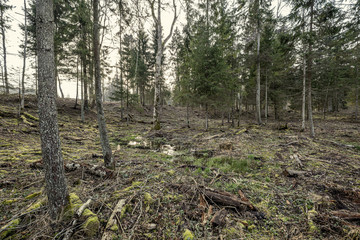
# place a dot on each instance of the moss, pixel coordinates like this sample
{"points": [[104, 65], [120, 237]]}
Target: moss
{"points": [[251, 227], [148, 199], [33, 195], [10, 227], [87, 213], [36, 205], [91, 226], [171, 172], [28, 115], [157, 125], [123, 211], [74, 204], [188, 235], [9, 201], [114, 227], [133, 185]]}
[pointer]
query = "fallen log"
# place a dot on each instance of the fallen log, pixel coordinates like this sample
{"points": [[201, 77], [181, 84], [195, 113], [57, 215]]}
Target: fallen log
{"points": [[346, 215], [218, 197], [78, 214], [111, 224]]}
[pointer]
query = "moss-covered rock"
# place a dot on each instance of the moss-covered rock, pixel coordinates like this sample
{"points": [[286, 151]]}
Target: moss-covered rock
{"points": [[74, 204], [91, 226]]}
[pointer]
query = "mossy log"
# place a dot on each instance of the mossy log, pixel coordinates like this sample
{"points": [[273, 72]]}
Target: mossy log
{"points": [[112, 224]]}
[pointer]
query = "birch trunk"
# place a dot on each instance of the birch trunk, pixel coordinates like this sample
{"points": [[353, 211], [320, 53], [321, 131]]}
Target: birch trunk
{"points": [[56, 187], [108, 159]]}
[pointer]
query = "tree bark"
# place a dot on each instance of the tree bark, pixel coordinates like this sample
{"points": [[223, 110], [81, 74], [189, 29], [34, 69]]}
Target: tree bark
{"points": [[24, 62], [311, 121], [266, 96], [56, 187], [77, 82], [108, 159], [258, 83], [159, 54], [7, 86], [303, 107], [82, 94]]}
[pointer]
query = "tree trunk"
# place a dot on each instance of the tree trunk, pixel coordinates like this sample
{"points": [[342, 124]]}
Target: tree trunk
{"points": [[357, 104], [266, 96], [187, 116], [158, 71], [240, 105], [108, 159], [206, 118], [311, 122], [82, 93], [77, 82], [60, 88], [50, 142], [24, 61], [258, 84], [7, 86], [303, 107]]}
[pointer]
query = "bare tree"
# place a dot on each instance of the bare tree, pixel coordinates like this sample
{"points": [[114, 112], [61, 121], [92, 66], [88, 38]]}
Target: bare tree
{"points": [[24, 60], [108, 159], [311, 121], [159, 55], [258, 83], [56, 188]]}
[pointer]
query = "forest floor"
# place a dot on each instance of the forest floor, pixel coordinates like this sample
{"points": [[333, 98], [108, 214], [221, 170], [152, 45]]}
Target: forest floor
{"points": [[245, 182]]}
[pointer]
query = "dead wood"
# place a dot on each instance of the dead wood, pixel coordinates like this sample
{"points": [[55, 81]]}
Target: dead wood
{"points": [[108, 233], [346, 215], [219, 218], [293, 173], [98, 171], [78, 214], [218, 197]]}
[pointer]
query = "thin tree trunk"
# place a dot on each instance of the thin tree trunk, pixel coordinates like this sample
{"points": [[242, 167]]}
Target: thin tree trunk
{"points": [[357, 96], [56, 187], [311, 121], [108, 159], [7, 86], [240, 105], [157, 99], [187, 116], [303, 108], [206, 118], [24, 61], [2, 78], [60, 88], [82, 93], [77, 82], [258, 84], [266, 96], [36, 75]]}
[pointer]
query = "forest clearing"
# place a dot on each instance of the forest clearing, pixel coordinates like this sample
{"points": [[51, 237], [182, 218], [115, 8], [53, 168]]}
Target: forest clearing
{"points": [[245, 182]]}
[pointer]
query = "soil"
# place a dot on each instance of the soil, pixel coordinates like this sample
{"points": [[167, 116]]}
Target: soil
{"points": [[299, 187]]}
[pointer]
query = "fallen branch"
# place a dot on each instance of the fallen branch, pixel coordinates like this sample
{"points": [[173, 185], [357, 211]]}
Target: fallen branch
{"points": [[293, 173], [346, 215], [218, 197], [108, 233], [78, 214]]}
